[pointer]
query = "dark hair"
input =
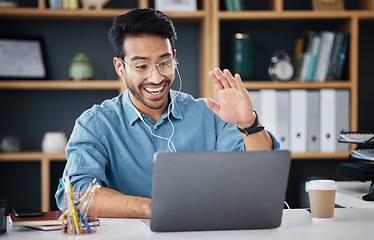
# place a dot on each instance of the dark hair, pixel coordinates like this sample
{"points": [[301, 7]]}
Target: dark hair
{"points": [[140, 22]]}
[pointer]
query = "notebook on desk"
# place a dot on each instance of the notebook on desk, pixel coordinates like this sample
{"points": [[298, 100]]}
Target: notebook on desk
{"points": [[195, 191]]}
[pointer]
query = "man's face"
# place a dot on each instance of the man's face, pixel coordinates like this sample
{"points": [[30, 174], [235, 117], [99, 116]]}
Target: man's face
{"points": [[152, 91]]}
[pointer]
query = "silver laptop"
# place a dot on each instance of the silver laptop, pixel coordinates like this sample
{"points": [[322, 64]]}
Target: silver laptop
{"points": [[194, 191]]}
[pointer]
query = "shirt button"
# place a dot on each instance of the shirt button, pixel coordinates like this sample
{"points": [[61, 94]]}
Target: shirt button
{"points": [[156, 127]]}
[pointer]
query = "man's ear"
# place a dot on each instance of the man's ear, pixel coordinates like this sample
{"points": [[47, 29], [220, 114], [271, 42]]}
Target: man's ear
{"points": [[118, 66]]}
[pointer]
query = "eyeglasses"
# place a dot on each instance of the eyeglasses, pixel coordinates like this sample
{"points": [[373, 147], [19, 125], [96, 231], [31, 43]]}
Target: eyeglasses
{"points": [[144, 69]]}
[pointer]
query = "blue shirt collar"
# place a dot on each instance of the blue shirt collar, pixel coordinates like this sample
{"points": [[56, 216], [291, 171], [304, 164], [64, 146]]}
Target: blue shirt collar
{"points": [[132, 116]]}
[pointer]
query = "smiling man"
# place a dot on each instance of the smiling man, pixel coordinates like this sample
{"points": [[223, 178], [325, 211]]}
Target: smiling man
{"points": [[115, 141]]}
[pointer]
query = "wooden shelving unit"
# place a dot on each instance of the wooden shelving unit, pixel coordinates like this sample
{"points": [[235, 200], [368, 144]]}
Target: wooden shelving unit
{"points": [[349, 21], [210, 17], [45, 160], [43, 12]]}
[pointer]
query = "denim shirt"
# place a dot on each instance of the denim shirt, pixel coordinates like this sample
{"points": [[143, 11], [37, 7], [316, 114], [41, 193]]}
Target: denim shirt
{"points": [[110, 142]]}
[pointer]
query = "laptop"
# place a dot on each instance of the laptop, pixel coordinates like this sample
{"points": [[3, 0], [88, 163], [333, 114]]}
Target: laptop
{"points": [[198, 191]]}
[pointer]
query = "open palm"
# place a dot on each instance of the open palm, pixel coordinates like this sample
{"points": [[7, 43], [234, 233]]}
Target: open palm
{"points": [[235, 104]]}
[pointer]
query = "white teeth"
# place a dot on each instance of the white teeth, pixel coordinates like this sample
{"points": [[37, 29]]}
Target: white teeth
{"points": [[155, 90]]}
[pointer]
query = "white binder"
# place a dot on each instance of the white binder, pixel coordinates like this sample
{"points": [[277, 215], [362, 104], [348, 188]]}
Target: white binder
{"points": [[268, 116], [313, 128], [342, 117], [255, 99], [328, 120], [298, 120], [283, 119]]}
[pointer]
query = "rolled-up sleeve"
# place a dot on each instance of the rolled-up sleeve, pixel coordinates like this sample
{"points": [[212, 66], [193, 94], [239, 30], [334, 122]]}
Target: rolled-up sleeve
{"points": [[87, 157]]}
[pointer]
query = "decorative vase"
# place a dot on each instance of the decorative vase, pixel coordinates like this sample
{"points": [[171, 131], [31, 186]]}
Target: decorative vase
{"points": [[242, 56], [10, 143], [81, 68], [54, 142]]}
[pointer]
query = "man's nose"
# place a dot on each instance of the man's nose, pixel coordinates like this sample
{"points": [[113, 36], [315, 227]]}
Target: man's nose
{"points": [[155, 76]]}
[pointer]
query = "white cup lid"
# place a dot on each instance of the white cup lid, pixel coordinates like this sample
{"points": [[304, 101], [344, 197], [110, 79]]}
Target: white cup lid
{"points": [[322, 185]]}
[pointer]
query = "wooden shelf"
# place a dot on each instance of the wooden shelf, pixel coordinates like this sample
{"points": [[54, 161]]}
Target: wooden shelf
{"points": [[62, 85], [292, 15], [45, 160], [256, 85], [105, 14], [31, 156], [319, 155]]}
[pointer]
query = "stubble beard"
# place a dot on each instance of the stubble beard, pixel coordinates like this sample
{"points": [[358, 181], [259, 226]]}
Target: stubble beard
{"points": [[137, 94]]}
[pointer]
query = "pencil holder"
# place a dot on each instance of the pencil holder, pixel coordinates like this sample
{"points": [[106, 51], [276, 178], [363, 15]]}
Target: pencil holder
{"points": [[77, 218]]}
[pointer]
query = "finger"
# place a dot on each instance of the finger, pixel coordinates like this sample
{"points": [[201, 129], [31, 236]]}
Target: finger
{"points": [[215, 81], [230, 78], [222, 78], [239, 83], [212, 105]]}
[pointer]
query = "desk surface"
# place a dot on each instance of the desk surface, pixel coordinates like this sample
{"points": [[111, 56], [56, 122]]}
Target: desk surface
{"points": [[349, 194], [349, 223]]}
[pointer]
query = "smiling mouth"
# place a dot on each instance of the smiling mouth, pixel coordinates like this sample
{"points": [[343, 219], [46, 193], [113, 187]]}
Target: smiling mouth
{"points": [[155, 91]]}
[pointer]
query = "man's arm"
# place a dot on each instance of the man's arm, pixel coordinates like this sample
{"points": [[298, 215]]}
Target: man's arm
{"points": [[257, 141], [111, 203], [236, 107]]}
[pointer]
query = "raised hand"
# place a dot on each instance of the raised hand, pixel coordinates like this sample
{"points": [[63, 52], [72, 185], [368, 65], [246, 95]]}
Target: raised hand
{"points": [[235, 104]]}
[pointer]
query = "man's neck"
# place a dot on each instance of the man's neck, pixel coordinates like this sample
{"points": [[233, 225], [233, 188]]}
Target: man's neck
{"points": [[154, 114]]}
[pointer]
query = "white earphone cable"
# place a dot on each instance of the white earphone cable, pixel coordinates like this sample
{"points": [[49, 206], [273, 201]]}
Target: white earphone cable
{"points": [[173, 149]]}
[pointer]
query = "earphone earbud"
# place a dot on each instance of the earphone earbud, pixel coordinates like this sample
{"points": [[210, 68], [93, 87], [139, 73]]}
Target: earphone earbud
{"points": [[171, 146]]}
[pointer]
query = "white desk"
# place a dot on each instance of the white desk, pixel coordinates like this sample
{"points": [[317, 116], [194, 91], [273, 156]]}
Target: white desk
{"points": [[349, 194], [349, 223]]}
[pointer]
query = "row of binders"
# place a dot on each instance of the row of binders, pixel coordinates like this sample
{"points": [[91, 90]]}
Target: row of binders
{"points": [[321, 56], [63, 4], [305, 120]]}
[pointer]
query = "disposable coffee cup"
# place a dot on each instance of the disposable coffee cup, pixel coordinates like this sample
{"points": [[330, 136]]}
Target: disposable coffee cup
{"points": [[322, 199]]}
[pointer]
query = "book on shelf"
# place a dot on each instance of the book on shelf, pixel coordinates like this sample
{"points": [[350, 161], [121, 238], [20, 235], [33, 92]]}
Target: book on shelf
{"points": [[320, 56], [70, 4], [337, 54], [306, 55], [314, 55], [342, 57], [50, 218], [327, 40], [55, 4], [234, 5], [298, 56]]}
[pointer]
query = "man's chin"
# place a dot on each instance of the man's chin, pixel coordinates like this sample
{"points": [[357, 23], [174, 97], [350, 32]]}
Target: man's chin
{"points": [[155, 105]]}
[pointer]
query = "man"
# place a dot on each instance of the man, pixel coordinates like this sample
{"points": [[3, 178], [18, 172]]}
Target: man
{"points": [[115, 142]]}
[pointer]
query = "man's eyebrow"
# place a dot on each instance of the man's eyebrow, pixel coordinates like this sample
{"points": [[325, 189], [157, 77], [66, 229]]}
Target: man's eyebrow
{"points": [[138, 57], [146, 58], [165, 55]]}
